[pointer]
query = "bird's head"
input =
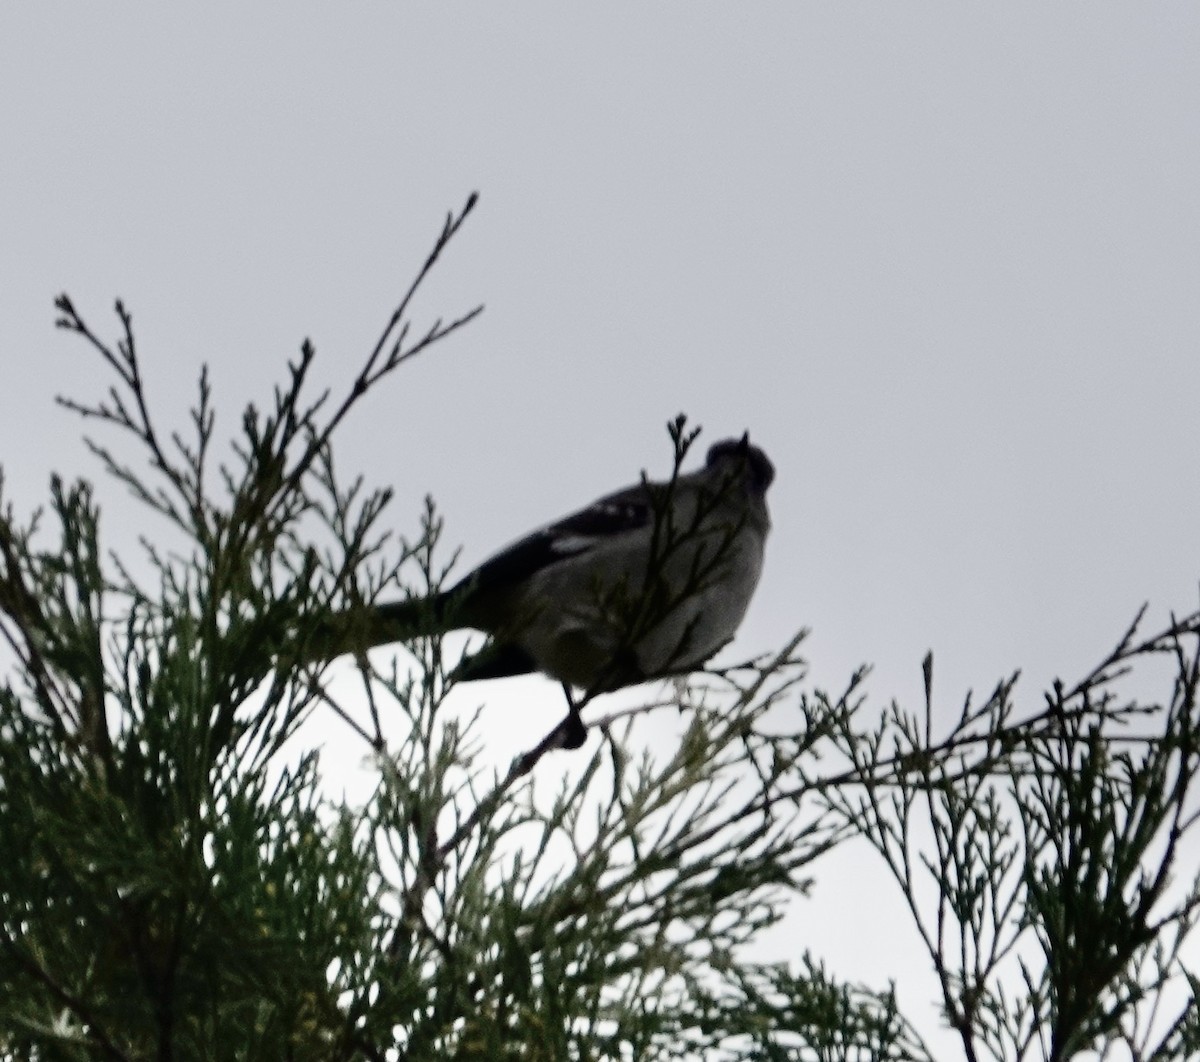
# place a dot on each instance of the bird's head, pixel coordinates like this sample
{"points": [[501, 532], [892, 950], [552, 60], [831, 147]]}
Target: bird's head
{"points": [[747, 460]]}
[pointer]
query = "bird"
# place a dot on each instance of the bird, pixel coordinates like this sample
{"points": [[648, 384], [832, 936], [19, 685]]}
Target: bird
{"points": [[643, 583]]}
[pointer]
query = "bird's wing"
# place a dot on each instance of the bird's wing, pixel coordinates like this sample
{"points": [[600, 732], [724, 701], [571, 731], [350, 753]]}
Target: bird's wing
{"points": [[615, 514]]}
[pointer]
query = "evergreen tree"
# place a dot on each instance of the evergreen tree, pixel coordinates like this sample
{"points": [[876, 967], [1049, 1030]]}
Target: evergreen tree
{"points": [[178, 881]]}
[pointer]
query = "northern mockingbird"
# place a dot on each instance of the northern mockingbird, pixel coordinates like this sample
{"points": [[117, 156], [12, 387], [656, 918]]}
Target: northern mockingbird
{"points": [[647, 582]]}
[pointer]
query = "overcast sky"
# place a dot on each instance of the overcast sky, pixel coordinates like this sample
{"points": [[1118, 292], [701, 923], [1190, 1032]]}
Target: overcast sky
{"points": [[942, 261]]}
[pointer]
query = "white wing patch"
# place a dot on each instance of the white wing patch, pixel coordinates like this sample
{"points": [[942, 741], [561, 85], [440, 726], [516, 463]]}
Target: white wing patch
{"points": [[569, 545]]}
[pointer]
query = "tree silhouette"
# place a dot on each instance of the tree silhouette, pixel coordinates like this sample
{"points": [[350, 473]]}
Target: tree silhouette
{"points": [[178, 881]]}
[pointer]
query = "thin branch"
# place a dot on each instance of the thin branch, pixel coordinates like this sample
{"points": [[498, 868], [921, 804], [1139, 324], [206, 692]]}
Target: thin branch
{"points": [[68, 999]]}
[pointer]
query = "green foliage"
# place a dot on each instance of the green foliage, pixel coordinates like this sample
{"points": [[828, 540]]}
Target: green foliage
{"points": [[179, 879], [1044, 861]]}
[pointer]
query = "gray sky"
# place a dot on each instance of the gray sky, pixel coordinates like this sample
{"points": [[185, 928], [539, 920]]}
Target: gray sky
{"points": [[942, 261]]}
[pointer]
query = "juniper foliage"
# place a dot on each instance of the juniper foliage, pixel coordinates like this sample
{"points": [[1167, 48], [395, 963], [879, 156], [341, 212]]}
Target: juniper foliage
{"points": [[178, 880]]}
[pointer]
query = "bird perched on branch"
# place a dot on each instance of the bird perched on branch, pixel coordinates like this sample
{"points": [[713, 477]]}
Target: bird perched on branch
{"points": [[647, 582]]}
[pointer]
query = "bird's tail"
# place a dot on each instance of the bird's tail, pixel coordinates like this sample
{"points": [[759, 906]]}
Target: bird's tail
{"points": [[354, 630]]}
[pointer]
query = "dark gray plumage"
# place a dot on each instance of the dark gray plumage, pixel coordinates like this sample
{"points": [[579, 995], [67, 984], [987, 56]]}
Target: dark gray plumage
{"points": [[649, 581]]}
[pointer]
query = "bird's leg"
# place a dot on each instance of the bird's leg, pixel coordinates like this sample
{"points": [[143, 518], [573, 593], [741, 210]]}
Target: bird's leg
{"points": [[573, 730]]}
